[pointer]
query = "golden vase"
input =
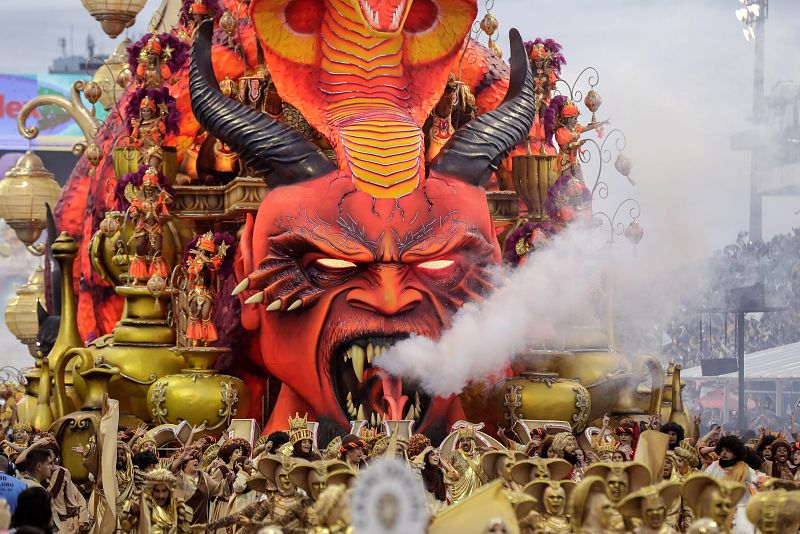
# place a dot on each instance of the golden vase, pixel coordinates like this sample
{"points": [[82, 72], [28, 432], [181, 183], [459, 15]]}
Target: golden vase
{"points": [[198, 394], [533, 175], [26, 407], [74, 429], [139, 347]]}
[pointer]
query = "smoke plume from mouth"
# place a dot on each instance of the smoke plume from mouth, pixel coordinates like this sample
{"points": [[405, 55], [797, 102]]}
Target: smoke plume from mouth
{"points": [[557, 286], [562, 289]]}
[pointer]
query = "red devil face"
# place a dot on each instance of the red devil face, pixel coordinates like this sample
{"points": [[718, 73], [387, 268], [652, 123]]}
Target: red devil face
{"points": [[342, 276]]}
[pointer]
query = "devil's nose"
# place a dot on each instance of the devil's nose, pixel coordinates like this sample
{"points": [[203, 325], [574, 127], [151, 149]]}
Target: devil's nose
{"points": [[387, 295]]}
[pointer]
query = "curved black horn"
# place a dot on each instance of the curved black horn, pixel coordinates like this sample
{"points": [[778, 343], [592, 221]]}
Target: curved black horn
{"points": [[270, 147], [478, 147]]}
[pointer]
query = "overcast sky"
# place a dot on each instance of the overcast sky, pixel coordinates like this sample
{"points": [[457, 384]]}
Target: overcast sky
{"points": [[675, 75]]}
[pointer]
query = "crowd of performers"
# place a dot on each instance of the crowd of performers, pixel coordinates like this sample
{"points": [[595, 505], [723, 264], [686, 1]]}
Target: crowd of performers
{"points": [[587, 483]]}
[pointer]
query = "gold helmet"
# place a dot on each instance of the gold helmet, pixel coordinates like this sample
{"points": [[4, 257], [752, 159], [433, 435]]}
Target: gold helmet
{"points": [[298, 429]]}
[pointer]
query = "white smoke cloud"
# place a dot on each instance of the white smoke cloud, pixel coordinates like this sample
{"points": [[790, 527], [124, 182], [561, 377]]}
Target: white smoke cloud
{"points": [[528, 305]]}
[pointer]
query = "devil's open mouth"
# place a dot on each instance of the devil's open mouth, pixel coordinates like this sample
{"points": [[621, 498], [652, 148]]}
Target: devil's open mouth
{"points": [[382, 15], [369, 393]]}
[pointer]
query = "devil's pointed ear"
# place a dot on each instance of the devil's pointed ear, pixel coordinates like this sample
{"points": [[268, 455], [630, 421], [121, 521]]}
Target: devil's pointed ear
{"points": [[41, 313]]}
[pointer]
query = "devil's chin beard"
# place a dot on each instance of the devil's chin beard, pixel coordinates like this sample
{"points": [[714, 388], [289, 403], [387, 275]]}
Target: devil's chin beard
{"points": [[571, 458], [727, 463]]}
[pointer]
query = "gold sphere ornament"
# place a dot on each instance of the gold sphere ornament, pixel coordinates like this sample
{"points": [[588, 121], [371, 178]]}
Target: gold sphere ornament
{"points": [[156, 285], [110, 224], [27, 186], [92, 92], [593, 101], [489, 24], [124, 78], [93, 154], [634, 232], [623, 164], [21, 314], [114, 15], [228, 24]]}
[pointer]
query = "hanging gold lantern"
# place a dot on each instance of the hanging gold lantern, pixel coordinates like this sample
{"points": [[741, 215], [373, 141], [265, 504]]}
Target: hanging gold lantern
{"points": [[21, 317], [27, 186], [593, 101], [228, 24], [114, 15], [92, 91], [489, 24], [109, 73], [634, 232], [93, 154]]}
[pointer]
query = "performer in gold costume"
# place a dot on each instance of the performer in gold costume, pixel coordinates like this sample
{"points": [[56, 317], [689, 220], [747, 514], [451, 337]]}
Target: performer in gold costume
{"points": [[21, 435], [157, 509], [551, 500], [466, 460]]}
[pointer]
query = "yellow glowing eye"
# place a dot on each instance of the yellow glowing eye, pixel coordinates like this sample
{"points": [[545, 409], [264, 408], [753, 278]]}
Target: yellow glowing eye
{"points": [[333, 263], [436, 265]]}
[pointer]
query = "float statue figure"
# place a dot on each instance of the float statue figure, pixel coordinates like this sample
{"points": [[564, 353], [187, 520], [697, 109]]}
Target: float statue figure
{"points": [[345, 259]]}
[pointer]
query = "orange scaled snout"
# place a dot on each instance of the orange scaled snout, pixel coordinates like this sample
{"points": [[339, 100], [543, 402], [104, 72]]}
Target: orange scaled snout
{"points": [[387, 292]]}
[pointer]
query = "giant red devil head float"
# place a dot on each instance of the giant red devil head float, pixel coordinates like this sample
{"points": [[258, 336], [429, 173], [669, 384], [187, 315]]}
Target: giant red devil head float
{"points": [[342, 261]]}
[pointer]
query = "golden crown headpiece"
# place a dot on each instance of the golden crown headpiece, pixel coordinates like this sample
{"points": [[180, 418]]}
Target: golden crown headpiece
{"points": [[685, 451], [161, 476], [147, 102], [298, 428], [606, 447], [467, 432], [138, 445], [570, 109], [154, 44], [22, 425], [206, 242], [368, 433], [198, 7], [150, 176]]}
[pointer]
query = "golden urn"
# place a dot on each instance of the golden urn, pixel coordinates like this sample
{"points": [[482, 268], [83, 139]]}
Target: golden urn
{"points": [[198, 394], [533, 175], [615, 385], [540, 396]]}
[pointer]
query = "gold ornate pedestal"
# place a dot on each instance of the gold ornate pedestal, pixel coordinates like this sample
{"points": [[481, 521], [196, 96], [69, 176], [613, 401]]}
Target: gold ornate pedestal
{"points": [[140, 346], [198, 394]]}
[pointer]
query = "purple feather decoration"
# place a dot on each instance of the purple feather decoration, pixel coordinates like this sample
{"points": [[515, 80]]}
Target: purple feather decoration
{"points": [[558, 191], [226, 268], [159, 96], [524, 232], [550, 115], [180, 51], [557, 59], [136, 178]]}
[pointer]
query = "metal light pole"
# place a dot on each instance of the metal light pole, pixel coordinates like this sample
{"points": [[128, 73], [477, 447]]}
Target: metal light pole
{"points": [[754, 16], [741, 417]]}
